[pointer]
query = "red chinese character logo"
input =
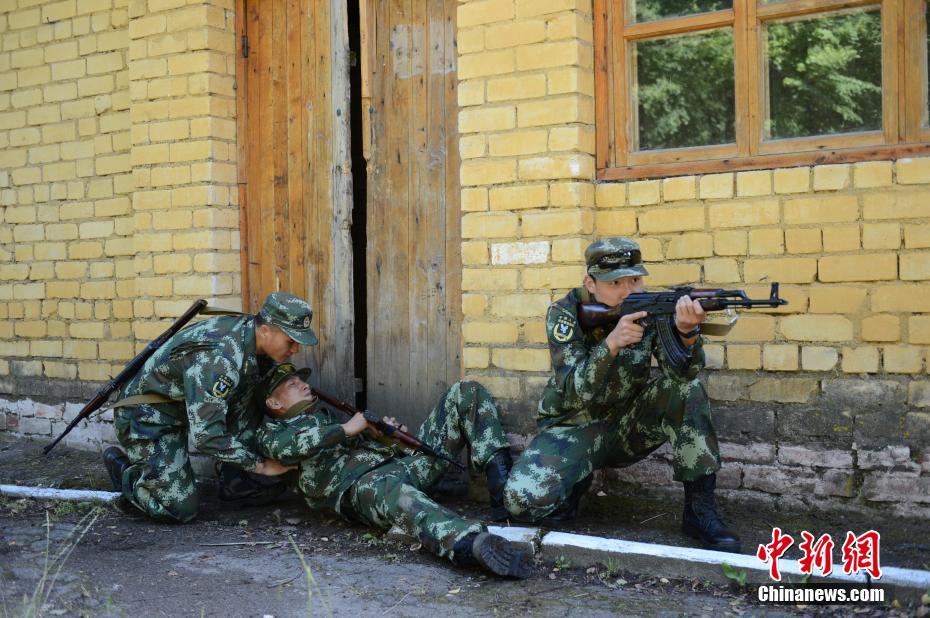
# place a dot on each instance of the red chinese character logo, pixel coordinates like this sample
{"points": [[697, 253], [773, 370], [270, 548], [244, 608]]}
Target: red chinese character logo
{"points": [[774, 550], [860, 553], [819, 554]]}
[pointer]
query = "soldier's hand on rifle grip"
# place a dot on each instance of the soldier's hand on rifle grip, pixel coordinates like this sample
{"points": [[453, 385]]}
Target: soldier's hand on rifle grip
{"points": [[627, 332], [393, 422], [272, 467], [688, 314], [356, 425]]}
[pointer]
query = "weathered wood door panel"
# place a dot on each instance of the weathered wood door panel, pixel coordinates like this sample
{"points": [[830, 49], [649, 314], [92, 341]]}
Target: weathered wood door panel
{"points": [[295, 171], [413, 249]]}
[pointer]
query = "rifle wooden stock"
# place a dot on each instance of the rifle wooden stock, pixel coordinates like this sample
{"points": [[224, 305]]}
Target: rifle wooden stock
{"points": [[386, 428], [130, 370]]}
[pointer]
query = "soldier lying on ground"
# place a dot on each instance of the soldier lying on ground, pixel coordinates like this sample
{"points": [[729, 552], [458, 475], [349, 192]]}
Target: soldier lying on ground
{"points": [[602, 408], [200, 383], [344, 469]]}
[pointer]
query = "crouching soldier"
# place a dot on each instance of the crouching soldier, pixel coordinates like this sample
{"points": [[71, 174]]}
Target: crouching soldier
{"points": [[200, 384], [603, 408], [345, 470]]}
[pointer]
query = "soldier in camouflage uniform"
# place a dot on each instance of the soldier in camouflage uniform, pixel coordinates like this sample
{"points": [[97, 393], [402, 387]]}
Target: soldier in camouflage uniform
{"points": [[603, 407], [199, 384], [352, 474]]}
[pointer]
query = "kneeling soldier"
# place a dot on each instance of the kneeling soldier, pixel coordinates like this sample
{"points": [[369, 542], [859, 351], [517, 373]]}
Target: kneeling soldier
{"points": [[347, 472], [601, 408], [200, 384]]}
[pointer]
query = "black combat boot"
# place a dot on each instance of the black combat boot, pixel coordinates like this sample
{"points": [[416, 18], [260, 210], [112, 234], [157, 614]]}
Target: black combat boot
{"points": [[701, 519], [115, 462], [496, 472], [241, 488], [492, 553], [567, 513]]}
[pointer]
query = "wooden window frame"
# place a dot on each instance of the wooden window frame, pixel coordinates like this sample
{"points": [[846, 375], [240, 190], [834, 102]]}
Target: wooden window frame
{"points": [[905, 131]]}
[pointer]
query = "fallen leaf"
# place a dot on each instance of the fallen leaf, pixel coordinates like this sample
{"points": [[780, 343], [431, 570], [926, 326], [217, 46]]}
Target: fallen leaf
{"points": [[591, 570], [454, 591]]}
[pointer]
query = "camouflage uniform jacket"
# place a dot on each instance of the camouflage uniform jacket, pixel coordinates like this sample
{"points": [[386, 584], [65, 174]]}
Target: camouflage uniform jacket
{"points": [[330, 461], [588, 383], [212, 367]]}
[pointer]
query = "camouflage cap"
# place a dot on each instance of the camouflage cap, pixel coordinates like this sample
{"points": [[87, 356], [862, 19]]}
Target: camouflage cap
{"points": [[611, 258], [278, 375], [290, 314]]}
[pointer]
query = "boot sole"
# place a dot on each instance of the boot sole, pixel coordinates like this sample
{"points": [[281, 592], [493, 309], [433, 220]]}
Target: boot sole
{"points": [[498, 556], [733, 547]]}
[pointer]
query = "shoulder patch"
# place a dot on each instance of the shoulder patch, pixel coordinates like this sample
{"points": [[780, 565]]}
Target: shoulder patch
{"points": [[563, 329], [222, 387]]}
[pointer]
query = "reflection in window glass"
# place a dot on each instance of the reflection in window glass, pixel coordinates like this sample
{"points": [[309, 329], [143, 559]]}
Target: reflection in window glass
{"points": [[684, 94], [649, 10], [824, 75]]}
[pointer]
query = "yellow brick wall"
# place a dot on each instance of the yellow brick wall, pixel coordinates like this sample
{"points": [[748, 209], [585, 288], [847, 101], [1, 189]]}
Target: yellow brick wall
{"points": [[849, 243], [117, 177]]}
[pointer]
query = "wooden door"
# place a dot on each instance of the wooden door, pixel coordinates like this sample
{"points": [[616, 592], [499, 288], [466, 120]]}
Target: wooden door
{"points": [[295, 173], [413, 249]]}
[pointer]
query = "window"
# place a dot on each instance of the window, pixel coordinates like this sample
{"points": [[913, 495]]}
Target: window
{"points": [[696, 86]]}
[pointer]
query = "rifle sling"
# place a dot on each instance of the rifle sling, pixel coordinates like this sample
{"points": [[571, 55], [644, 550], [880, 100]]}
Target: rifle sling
{"points": [[136, 400]]}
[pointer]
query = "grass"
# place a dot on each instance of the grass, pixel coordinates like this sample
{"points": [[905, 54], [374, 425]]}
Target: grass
{"points": [[35, 605], [313, 589]]}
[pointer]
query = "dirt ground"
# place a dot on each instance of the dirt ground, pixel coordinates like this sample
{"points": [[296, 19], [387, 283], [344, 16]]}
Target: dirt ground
{"points": [[284, 560]]}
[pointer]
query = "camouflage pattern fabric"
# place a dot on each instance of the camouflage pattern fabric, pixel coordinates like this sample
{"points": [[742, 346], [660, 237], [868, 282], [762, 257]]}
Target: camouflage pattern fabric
{"points": [[367, 481], [210, 369], [600, 411]]}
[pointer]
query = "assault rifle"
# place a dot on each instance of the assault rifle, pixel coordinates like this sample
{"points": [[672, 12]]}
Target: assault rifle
{"points": [[130, 370], [387, 429], [660, 309]]}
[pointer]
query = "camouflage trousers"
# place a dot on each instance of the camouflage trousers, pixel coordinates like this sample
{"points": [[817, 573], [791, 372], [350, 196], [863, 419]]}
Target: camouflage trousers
{"points": [[563, 456], [394, 494], [159, 480]]}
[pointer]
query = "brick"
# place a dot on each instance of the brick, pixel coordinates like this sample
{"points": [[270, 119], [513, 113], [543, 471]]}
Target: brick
{"points": [[753, 328], [475, 200], [520, 305], [784, 390], [489, 332], [519, 197], [520, 359], [912, 171], [681, 188], [514, 34], [917, 236], [615, 223], [730, 242], [841, 238], [672, 220], [861, 359], [721, 270], [803, 240], [470, 147], [784, 270], [743, 214], [471, 93], [489, 225], [918, 394], [690, 246], [474, 253], [901, 298], [486, 64], [872, 174], [816, 328], [918, 329], [489, 11], [493, 279], [531, 8], [570, 26], [902, 359], [755, 183], [555, 111], [792, 180], [822, 209], [613, 195], [553, 277], [832, 177], [474, 305], [488, 172], [574, 194], [555, 54], [557, 166], [870, 267], [835, 299], [673, 274], [881, 327], [643, 192], [475, 358], [512, 88], [766, 242], [558, 223], [779, 357], [716, 186], [571, 79], [518, 143], [818, 358], [572, 138], [568, 249], [915, 266], [520, 253], [901, 205], [487, 119]]}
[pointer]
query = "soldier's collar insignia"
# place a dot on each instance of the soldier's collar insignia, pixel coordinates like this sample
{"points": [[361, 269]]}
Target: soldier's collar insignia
{"points": [[563, 329], [222, 386]]}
